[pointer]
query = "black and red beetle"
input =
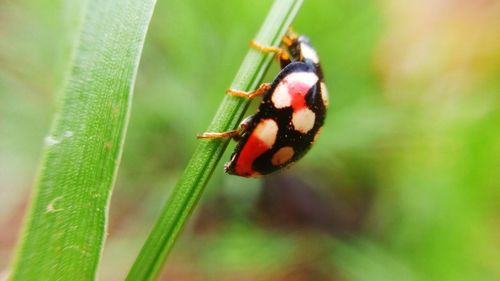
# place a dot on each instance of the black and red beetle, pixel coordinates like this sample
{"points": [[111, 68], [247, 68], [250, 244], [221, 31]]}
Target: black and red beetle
{"points": [[289, 118]]}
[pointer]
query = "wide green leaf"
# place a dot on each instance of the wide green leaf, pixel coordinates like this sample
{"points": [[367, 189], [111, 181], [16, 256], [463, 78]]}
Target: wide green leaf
{"points": [[66, 224]]}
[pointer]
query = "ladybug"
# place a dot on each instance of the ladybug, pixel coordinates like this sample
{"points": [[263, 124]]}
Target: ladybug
{"points": [[289, 117]]}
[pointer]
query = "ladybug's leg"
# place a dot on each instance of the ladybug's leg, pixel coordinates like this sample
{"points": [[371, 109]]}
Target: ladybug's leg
{"points": [[249, 95], [212, 135], [235, 134], [281, 54]]}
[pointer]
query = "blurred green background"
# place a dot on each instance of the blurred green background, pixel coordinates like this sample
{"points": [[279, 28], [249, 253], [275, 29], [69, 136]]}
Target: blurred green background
{"points": [[402, 185]]}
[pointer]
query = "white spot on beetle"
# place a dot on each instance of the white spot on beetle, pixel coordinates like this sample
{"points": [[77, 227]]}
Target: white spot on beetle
{"points": [[266, 131], [309, 53], [68, 134], [303, 120], [283, 155], [324, 94], [308, 78], [293, 83], [281, 98]]}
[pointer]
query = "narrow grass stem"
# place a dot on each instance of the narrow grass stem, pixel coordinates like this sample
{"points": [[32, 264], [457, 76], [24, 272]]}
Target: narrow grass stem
{"points": [[208, 153]]}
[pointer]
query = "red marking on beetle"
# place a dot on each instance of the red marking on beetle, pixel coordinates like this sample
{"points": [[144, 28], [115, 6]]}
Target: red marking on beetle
{"points": [[298, 91], [251, 150]]}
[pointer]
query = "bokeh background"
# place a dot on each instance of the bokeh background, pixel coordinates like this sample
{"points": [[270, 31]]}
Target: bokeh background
{"points": [[402, 185]]}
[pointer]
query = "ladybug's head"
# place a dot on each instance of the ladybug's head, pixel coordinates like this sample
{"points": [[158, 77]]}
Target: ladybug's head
{"points": [[301, 50]]}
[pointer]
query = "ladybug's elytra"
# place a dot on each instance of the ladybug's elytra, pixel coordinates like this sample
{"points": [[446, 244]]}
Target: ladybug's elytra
{"points": [[289, 118]]}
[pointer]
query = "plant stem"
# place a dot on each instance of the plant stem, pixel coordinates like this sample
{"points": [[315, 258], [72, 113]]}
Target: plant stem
{"points": [[208, 153]]}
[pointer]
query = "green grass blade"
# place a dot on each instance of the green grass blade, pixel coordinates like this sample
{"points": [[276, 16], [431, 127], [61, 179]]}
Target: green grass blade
{"points": [[66, 225], [208, 153]]}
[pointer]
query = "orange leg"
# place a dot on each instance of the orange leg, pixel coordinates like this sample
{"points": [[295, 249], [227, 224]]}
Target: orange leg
{"points": [[235, 134], [280, 53], [250, 95], [212, 135]]}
